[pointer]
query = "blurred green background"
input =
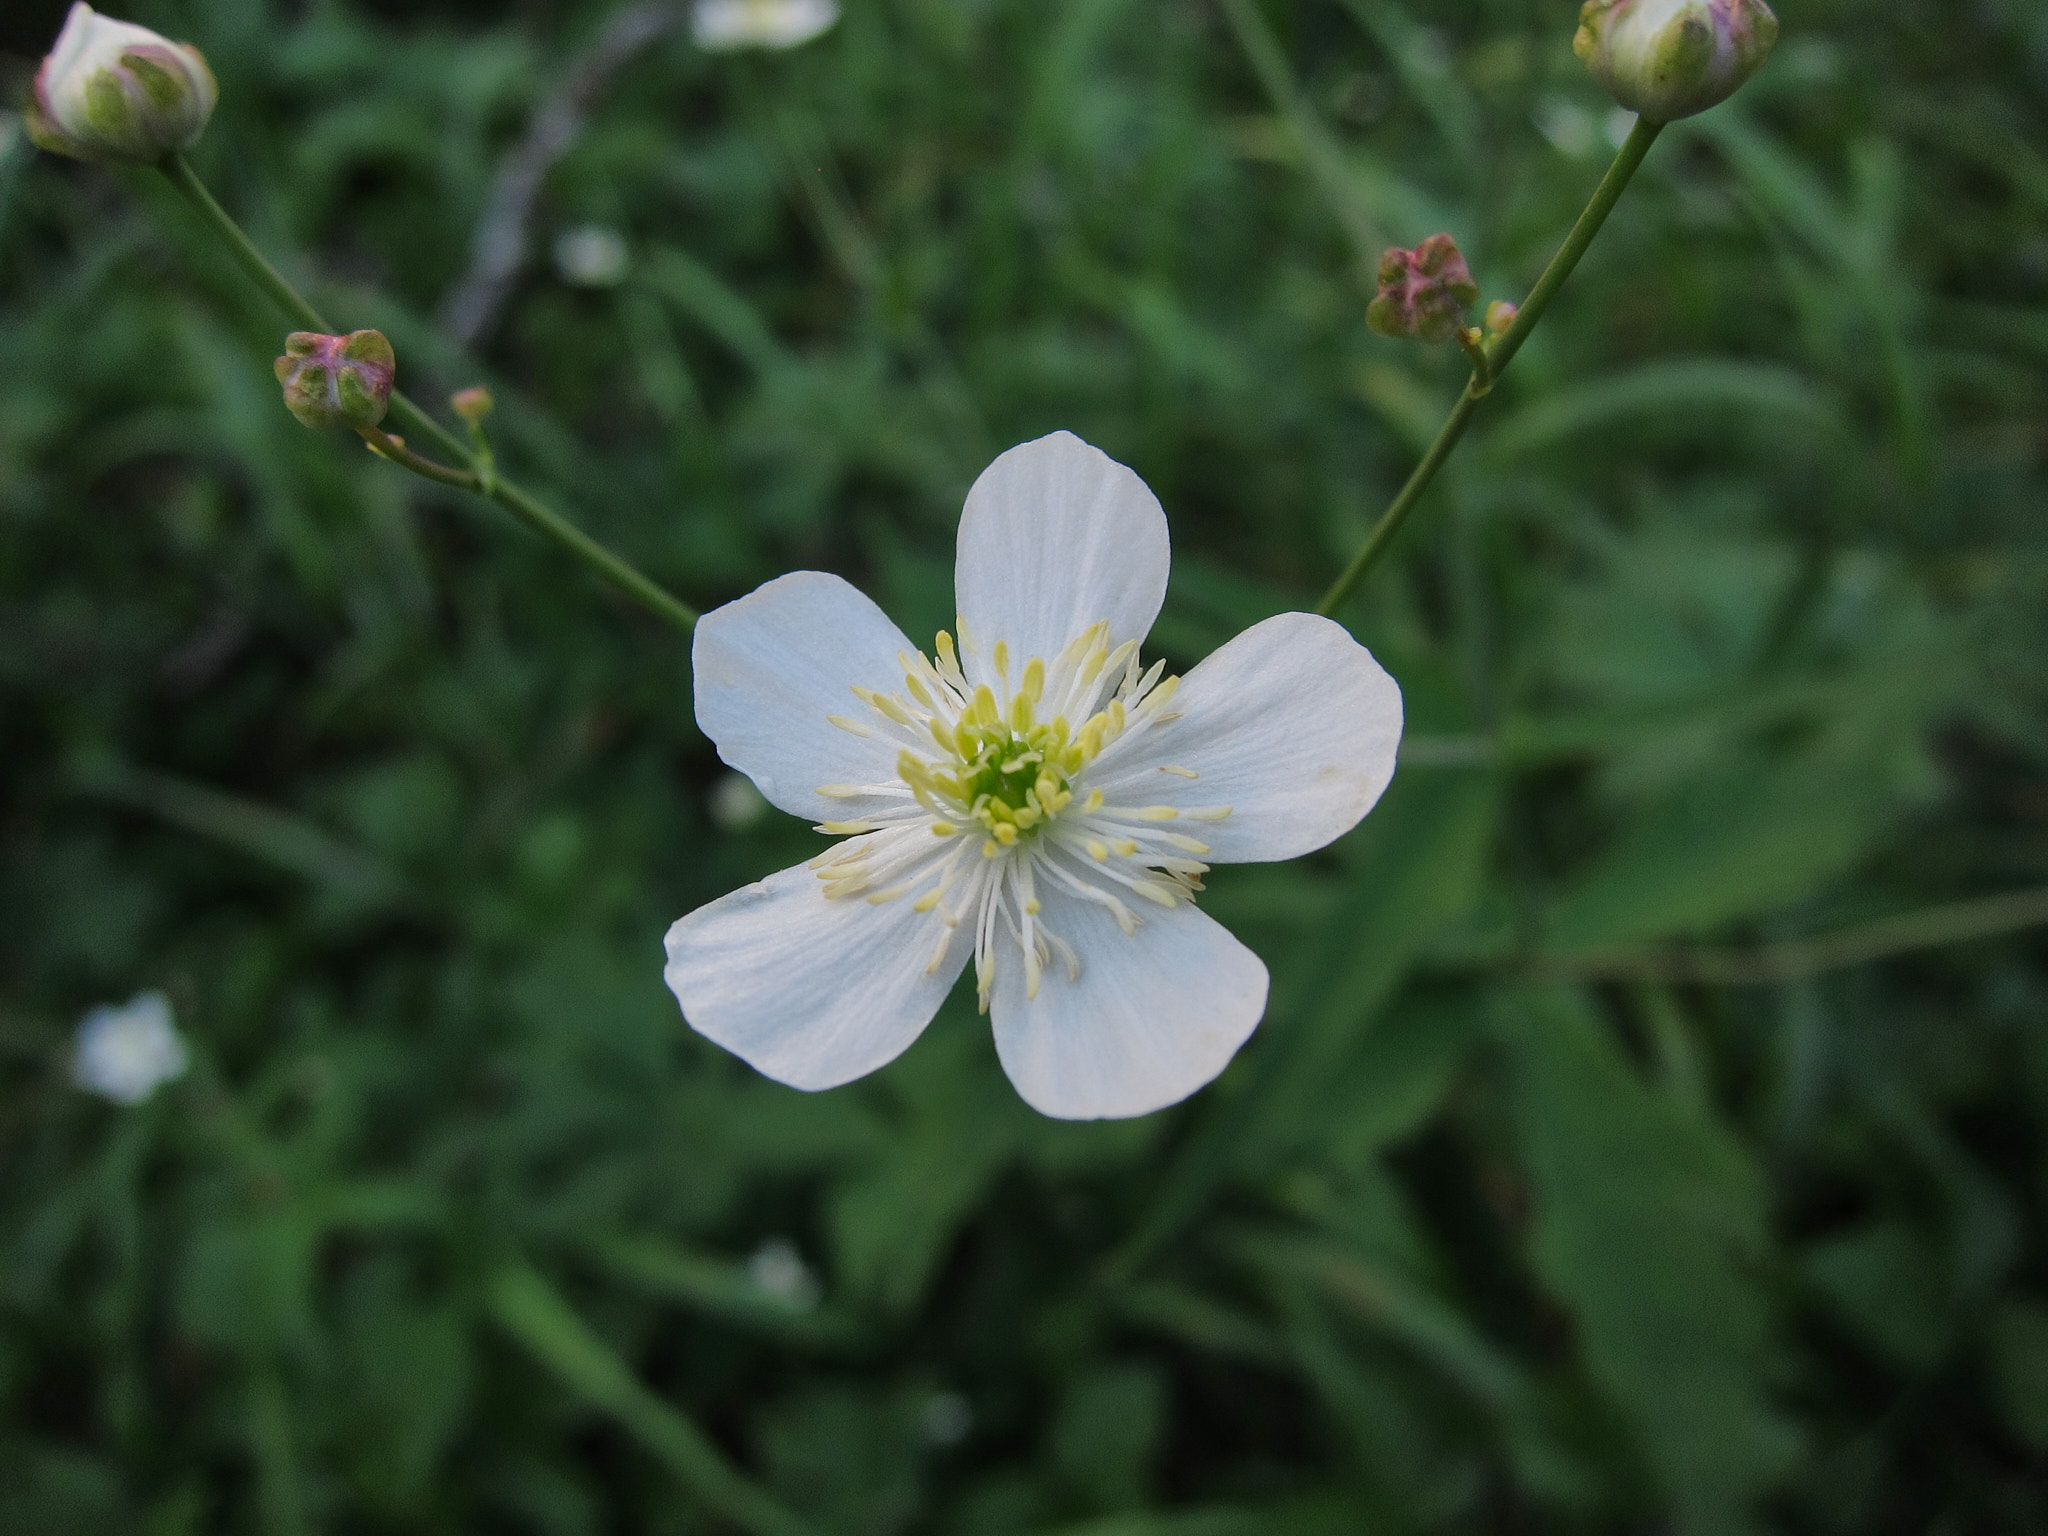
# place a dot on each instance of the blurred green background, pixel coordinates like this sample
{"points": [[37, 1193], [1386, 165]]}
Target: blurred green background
{"points": [[1650, 1128]]}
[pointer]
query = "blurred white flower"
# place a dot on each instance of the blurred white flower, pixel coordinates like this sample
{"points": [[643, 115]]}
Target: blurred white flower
{"points": [[592, 256], [735, 804], [1036, 801], [728, 24], [126, 1053], [947, 1418], [779, 1269], [1620, 124], [110, 90], [1570, 128]]}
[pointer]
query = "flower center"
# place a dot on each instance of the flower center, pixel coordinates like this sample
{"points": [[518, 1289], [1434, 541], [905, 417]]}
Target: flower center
{"points": [[997, 765]]}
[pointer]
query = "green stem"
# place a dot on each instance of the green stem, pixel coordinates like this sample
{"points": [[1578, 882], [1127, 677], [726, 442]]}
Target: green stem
{"points": [[417, 425], [1498, 356], [536, 1315]]}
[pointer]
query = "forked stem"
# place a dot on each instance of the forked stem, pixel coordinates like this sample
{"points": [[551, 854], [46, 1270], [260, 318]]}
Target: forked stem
{"points": [[1498, 354], [418, 426]]}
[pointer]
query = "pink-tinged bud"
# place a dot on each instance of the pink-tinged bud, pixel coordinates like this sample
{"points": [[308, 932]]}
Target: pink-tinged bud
{"points": [[1424, 292], [337, 381], [1500, 314], [113, 91], [472, 404], [1667, 59]]}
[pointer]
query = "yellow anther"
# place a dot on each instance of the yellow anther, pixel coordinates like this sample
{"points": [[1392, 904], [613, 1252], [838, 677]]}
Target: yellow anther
{"points": [[848, 725], [1152, 890], [1005, 833], [1126, 847], [1116, 718], [947, 829], [1020, 713], [926, 902], [989, 849], [1031, 976], [839, 791], [1186, 844], [1093, 802], [966, 634], [983, 709], [1092, 668], [888, 704], [1098, 850], [1213, 813], [948, 661], [942, 733], [883, 898], [1033, 686], [846, 828], [1158, 813], [939, 953], [1034, 906], [918, 691], [1179, 773], [1159, 697], [1002, 660]]}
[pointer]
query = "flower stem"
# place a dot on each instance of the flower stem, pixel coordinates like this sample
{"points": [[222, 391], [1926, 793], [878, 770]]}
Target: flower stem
{"points": [[1498, 355], [418, 425]]}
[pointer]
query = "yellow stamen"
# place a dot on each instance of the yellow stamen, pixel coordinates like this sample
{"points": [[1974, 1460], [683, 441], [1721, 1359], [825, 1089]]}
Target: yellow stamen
{"points": [[848, 725]]}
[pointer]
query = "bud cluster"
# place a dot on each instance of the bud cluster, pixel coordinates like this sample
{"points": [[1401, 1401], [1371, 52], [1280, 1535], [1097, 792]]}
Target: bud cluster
{"points": [[337, 381], [1423, 293], [111, 91]]}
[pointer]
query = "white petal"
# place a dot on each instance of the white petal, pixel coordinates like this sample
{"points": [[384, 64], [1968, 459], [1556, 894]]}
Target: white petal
{"points": [[812, 992], [773, 667], [1292, 725], [1057, 536], [1153, 1016]]}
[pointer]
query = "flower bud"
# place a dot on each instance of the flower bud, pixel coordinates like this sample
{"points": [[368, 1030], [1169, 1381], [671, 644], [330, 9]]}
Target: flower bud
{"points": [[1668, 59], [1500, 314], [472, 404], [337, 381], [1424, 292], [113, 91]]}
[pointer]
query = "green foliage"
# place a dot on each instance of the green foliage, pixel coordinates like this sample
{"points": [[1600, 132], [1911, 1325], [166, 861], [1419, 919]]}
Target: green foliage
{"points": [[1724, 629]]}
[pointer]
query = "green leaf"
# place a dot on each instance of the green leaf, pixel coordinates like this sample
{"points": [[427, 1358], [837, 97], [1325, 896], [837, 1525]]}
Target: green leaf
{"points": [[1647, 1219], [2017, 1343], [1728, 846]]}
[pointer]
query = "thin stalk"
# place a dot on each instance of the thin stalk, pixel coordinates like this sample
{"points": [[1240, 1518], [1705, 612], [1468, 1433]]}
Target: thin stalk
{"points": [[1498, 355], [416, 424], [536, 1315]]}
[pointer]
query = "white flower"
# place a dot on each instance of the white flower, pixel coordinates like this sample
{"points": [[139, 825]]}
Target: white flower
{"points": [[780, 1270], [735, 804], [126, 1053], [727, 24], [110, 90], [592, 256], [1034, 799]]}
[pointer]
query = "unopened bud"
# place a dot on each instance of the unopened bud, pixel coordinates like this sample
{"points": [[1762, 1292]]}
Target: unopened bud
{"points": [[472, 404], [1667, 59], [1424, 292], [113, 91], [337, 381], [1500, 314]]}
